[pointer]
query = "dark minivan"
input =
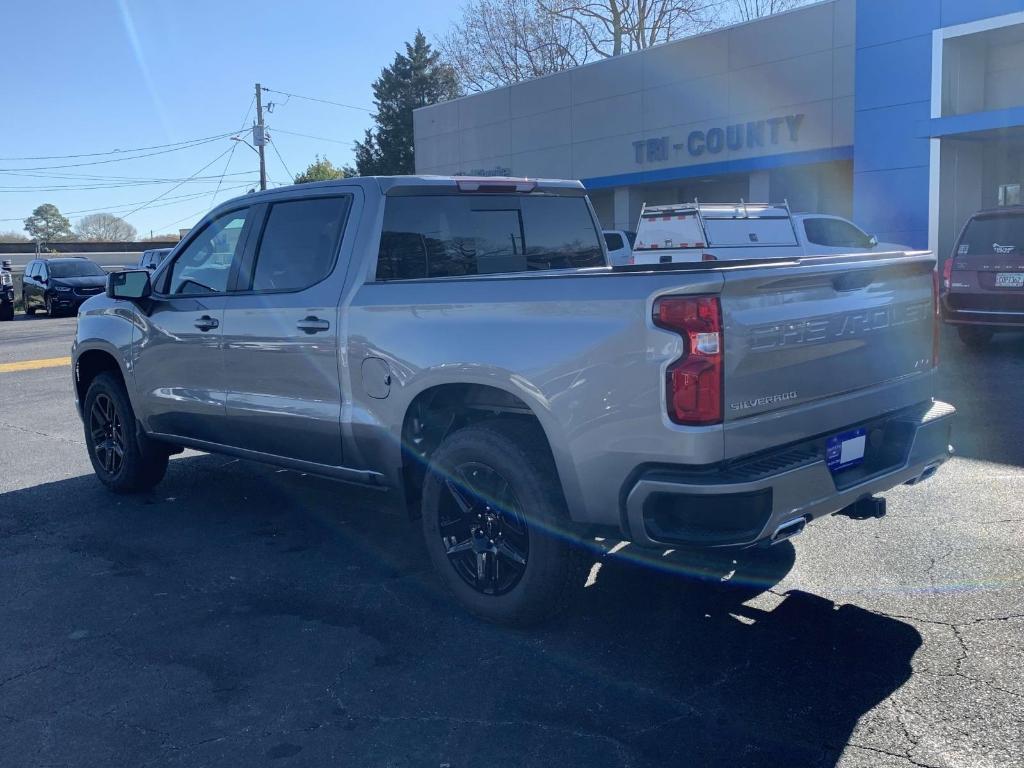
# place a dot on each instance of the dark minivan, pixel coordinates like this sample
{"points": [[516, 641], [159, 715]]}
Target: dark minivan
{"points": [[60, 285], [983, 280]]}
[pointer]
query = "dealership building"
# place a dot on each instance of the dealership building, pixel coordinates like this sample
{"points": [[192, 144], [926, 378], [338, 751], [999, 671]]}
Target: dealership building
{"points": [[905, 115]]}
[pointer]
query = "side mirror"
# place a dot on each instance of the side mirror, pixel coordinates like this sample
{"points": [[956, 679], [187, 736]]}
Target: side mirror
{"points": [[132, 284], [43, 280], [872, 241]]}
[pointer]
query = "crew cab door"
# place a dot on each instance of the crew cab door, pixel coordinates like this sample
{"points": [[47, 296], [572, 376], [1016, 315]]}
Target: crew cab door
{"points": [[281, 331], [178, 365]]}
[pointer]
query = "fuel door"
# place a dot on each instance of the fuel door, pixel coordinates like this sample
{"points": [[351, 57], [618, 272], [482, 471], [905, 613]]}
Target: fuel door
{"points": [[376, 378]]}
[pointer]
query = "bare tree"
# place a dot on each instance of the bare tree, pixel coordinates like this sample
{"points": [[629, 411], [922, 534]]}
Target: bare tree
{"points": [[500, 42], [614, 27], [747, 10], [105, 227], [13, 237]]}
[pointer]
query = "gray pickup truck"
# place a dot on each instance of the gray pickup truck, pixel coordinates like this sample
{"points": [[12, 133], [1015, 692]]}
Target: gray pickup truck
{"points": [[462, 344]]}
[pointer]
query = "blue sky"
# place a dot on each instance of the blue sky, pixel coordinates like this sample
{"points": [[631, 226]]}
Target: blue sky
{"points": [[84, 77]]}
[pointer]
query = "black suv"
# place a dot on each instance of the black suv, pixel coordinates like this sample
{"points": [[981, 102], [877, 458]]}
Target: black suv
{"points": [[60, 285], [6, 291]]}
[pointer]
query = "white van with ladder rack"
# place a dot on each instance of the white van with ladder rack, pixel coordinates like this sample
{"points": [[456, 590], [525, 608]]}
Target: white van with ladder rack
{"points": [[699, 231]]}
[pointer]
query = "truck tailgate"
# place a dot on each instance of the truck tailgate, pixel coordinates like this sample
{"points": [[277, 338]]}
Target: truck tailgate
{"points": [[818, 330]]}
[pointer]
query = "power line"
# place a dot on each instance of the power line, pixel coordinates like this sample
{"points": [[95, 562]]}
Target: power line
{"points": [[116, 209], [245, 119], [111, 186], [308, 136], [283, 163], [123, 159], [313, 98], [91, 177], [161, 195], [197, 213], [234, 146], [115, 151]]}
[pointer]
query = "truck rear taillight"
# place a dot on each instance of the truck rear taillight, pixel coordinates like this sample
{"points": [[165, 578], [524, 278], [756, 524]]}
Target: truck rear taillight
{"points": [[947, 274], [693, 383]]}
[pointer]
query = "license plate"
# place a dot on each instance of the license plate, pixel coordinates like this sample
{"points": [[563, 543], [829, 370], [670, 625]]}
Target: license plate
{"points": [[1009, 279], [845, 450]]}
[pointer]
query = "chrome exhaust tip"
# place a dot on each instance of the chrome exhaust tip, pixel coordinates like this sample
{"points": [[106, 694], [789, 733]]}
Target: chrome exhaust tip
{"points": [[789, 529]]}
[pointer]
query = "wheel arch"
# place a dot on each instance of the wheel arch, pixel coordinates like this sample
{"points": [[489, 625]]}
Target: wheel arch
{"points": [[437, 410], [89, 364]]}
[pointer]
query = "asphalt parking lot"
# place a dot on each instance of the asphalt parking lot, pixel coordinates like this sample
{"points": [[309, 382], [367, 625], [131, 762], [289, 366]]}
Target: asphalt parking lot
{"points": [[242, 615]]}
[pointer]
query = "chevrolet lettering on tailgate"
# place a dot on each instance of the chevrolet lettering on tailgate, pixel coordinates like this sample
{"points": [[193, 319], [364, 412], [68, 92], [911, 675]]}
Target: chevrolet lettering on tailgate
{"points": [[847, 324]]}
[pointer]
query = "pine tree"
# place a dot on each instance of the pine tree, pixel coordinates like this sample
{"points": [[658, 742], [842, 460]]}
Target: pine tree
{"points": [[47, 223], [416, 79]]}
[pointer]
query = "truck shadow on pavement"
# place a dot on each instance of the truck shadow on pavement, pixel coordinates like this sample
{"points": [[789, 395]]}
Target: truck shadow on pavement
{"points": [[243, 616]]}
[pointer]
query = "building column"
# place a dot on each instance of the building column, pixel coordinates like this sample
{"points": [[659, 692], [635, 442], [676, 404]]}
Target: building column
{"points": [[760, 187], [628, 202]]}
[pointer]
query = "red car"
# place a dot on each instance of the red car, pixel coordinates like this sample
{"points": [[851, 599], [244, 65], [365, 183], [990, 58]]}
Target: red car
{"points": [[983, 281]]}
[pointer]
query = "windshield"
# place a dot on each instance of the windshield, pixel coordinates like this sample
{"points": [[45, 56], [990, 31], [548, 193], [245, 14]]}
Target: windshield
{"points": [[83, 268], [993, 235]]}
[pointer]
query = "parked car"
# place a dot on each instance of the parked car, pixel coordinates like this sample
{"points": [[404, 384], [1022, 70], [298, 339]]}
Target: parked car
{"points": [[731, 231], [462, 344], [620, 246], [61, 284], [983, 280], [151, 259], [6, 291]]}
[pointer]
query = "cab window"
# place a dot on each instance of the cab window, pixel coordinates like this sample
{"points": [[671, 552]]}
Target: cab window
{"points": [[205, 264], [613, 240], [299, 243], [835, 233]]}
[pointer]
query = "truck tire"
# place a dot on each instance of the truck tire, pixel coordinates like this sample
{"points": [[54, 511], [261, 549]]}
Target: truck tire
{"points": [[494, 522], [124, 459], [975, 337], [24, 302], [6, 311]]}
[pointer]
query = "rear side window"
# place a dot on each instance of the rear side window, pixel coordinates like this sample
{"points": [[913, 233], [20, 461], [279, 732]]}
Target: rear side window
{"points": [[613, 240], [835, 233], [451, 235], [993, 235], [299, 244]]}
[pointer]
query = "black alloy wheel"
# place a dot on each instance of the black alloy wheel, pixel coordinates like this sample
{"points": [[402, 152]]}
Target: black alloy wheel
{"points": [[483, 529], [107, 430]]}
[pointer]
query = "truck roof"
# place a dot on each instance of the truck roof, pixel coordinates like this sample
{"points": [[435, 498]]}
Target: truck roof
{"points": [[390, 185]]}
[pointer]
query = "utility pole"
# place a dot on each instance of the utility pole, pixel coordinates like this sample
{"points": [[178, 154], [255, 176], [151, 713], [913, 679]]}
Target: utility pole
{"points": [[259, 136]]}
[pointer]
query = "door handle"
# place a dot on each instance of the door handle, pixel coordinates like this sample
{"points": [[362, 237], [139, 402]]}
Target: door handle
{"points": [[207, 323], [310, 324]]}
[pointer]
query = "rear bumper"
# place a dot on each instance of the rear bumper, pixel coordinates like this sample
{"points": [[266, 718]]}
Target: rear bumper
{"points": [[747, 502], [982, 309]]}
